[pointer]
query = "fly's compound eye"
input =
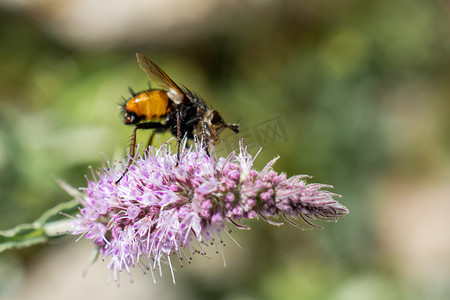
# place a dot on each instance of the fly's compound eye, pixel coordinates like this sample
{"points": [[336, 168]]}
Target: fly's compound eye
{"points": [[131, 118], [215, 118]]}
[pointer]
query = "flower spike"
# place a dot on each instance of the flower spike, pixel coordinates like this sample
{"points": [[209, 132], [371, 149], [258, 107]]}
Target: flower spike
{"points": [[164, 206]]}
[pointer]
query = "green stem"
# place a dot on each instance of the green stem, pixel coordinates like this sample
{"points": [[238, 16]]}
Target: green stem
{"points": [[52, 224]]}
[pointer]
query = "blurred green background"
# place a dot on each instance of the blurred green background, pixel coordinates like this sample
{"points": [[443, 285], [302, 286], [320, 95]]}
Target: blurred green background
{"points": [[354, 93]]}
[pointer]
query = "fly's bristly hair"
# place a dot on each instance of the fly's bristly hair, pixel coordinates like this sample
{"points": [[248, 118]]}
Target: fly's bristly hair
{"points": [[122, 103], [124, 100]]}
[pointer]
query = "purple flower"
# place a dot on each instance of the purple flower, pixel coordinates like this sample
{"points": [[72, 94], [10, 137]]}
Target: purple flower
{"points": [[161, 208]]}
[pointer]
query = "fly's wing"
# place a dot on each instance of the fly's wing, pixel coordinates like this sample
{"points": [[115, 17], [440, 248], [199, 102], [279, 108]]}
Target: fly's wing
{"points": [[157, 75]]}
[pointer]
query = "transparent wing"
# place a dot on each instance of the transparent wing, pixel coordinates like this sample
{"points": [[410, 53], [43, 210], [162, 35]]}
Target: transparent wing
{"points": [[157, 75]]}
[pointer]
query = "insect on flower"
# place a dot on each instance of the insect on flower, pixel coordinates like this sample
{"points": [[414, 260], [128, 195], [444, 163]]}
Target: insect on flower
{"points": [[181, 111]]}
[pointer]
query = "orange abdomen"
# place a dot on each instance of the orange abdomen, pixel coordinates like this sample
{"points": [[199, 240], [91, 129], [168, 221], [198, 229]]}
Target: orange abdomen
{"points": [[149, 105]]}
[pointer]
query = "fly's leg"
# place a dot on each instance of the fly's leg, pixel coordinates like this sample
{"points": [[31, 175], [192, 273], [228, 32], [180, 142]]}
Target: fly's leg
{"points": [[150, 140], [204, 138], [147, 125], [178, 135]]}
